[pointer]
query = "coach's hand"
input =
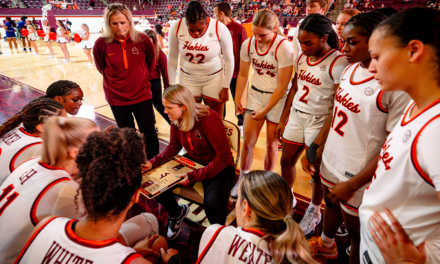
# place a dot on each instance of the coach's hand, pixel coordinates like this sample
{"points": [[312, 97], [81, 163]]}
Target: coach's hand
{"points": [[341, 192], [223, 96], [185, 181], [258, 115], [147, 166], [279, 131], [396, 247], [143, 247], [166, 255]]}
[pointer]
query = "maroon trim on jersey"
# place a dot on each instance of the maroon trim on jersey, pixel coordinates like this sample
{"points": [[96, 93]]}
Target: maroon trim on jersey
{"points": [[404, 123], [47, 166], [325, 180], [348, 67], [249, 46], [206, 29], [11, 164], [292, 142], [414, 159], [178, 26], [86, 242], [33, 213], [379, 103], [331, 66], [210, 98], [276, 50], [264, 54], [351, 207], [29, 134], [297, 61], [216, 31], [131, 257], [360, 82], [32, 238], [209, 245], [320, 60], [254, 231], [271, 122]]}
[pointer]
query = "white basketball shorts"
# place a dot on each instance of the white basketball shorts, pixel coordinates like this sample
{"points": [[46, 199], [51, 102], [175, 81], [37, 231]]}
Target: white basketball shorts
{"points": [[257, 100], [207, 86], [85, 44]]}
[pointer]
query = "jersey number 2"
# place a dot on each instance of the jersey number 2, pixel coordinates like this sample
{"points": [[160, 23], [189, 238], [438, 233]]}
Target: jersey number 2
{"points": [[342, 123], [191, 57], [9, 199], [303, 98]]}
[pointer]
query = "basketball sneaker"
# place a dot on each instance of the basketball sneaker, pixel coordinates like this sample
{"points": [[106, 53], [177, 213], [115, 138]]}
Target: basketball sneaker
{"points": [[89, 65], [24, 49], [175, 224], [241, 131], [64, 60], [234, 191], [51, 57], [310, 221], [30, 49], [318, 248]]}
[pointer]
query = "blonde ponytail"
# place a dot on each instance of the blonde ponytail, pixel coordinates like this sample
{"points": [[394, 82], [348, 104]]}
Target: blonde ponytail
{"points": [[266, 18], [62, 133], [271, 199]]}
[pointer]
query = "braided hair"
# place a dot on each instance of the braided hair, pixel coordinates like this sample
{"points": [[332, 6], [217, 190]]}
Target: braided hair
{"points": [[321, 26], [366, 22], [116, 156], [195, 12], [33, 114]]}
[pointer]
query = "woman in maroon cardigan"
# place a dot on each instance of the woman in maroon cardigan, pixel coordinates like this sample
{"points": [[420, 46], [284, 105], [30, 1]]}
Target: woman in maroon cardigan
{"points": [[125, 58], [202, 133]]}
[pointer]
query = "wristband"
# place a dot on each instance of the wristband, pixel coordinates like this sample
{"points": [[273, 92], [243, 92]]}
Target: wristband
{"points": [[311, 153]]}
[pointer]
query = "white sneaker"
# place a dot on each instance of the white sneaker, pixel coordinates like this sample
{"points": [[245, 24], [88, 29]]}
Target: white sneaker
{"points": [[234, 191], [51, 57], [310, 221], [36, 53], [294, 201], [241, 131], [64, 60], [89, 65]]}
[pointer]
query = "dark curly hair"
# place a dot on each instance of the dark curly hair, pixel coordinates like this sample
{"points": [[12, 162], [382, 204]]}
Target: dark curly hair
{"points": [[33, 114], [195, 12], [366, 22], [109, 164], [387, 11], [321, 26]]}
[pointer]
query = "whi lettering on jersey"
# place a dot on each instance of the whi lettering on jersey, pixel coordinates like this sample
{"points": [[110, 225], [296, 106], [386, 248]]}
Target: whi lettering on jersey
{"points": [[265, 64], [358, 128], [316, 89], [57, 243], [399, 184], [202, 55]]}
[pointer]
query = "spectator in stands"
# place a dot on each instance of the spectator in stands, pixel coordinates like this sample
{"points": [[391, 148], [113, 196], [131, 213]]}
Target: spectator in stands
{"points": [[300, 5], [126, 74], [75, 6], [352, 6], [287, 2], [134, 8], [382, 6], [347, 5], [263, 4], [295, 11], [90, 8]]}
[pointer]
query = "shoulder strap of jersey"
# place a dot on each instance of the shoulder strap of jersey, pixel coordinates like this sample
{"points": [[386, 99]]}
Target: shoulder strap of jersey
{"points": [[178, 27], [130, 257], [14, 158], [216, 31], [346, 69], [333, 63], [209, 245], [249, 45], [379, 103], [276, 50], [299, 58]]}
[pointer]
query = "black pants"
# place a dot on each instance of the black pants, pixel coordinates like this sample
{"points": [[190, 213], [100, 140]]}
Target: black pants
{"points": [[216, 192], [144, 114], [233, 87], [156, 89]]}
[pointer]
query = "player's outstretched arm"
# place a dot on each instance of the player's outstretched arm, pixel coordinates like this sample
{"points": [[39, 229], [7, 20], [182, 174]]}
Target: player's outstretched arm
{"points": [[173, 53]]}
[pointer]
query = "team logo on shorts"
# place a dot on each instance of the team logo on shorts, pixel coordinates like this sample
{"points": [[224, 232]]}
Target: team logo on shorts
{"points": [[135, 51], [210, 35], [198, 135], [369, 91], [407, 136], [271, 53], [322, 68]]}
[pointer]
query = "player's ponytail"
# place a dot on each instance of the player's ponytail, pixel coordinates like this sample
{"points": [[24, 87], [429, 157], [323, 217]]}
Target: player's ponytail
{"points": [[321, 26], [153, 36], [109, 163], [12, 22], [33, 114], [267, 19], [271, 199], [62, 133]]}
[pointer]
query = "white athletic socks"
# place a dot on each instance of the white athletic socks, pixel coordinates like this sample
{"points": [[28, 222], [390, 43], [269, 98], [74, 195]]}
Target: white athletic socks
{"points": [[327, 242], [315, 208]]}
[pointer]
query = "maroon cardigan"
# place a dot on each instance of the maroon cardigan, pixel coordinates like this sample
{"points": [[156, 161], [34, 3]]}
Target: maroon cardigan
{"points": [[206, 143], [125, 67]]}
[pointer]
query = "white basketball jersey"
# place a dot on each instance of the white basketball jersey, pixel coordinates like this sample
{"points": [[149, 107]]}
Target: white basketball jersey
{"points": [[359, 125], [221, 244], [265, 64], [200, 55], [56, 242], [15, 143], [316, 84], [401, 186], [19, 198]]}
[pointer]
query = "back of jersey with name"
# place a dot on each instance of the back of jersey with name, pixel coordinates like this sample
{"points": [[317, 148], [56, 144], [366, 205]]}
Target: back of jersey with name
{"points": [[57, 242], [202, 55], [233, 245]]}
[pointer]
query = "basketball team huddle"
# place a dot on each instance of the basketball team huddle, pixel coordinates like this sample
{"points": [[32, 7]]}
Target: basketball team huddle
{"points": [[361, 100]]}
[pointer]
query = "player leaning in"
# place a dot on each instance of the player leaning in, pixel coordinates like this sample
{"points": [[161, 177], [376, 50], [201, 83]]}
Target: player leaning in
{"points": [[201, 132], [266, 232], [206, 56], [95, 238], [308, 109], [271, 57], [407, 178], [363, 115]]}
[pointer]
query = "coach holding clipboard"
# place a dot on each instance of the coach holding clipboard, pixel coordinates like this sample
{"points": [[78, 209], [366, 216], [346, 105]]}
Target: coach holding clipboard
{"points": [[125, 57], [201, 131]]}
